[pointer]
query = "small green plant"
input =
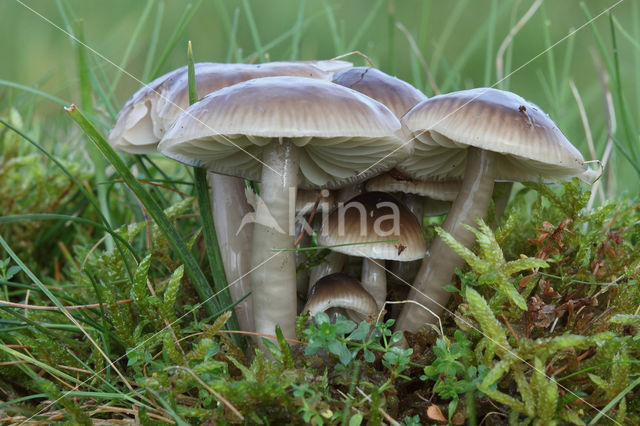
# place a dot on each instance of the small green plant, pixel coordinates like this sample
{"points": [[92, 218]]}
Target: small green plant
{"points": [[454, 371], [491, 267], [332, 337]]}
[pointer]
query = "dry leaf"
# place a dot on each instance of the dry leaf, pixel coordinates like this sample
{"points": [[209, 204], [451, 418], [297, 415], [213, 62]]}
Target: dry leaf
{"points": [[434, 413]]}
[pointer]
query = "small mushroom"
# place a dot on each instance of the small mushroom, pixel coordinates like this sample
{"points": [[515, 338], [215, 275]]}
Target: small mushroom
{"points": [[484, 135], [344, 294], [423, 198], [377, 227]]}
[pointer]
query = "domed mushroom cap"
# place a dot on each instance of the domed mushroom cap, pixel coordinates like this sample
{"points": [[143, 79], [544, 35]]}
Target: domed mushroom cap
{"points": [[340, 291], [399, 96], [344, 137], [444, 190], [147, 115], [376, 225], [531, 144]]}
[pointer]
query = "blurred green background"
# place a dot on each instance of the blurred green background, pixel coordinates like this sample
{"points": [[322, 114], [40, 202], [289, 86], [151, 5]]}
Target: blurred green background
{"points": [[457, 42]]}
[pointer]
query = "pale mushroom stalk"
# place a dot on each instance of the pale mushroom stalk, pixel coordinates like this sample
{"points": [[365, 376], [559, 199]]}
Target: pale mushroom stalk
{"points": [[441, 262], [273, 272], [374, 279], [229, 205]]}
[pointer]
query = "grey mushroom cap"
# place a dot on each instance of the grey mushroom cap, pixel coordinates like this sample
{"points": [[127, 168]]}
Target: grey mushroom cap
{"points": [[375, 236], [149, 112], [531, 145], [340, 291], [398, 95], [344, 137]]}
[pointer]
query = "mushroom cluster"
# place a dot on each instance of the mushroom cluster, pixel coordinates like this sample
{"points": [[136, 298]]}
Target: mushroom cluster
{"points": [[352, 135]]}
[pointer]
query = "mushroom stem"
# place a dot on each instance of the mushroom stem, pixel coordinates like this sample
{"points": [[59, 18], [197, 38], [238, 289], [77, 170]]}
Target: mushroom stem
{"points": [[440, 261], [229, 205], [374, 279], [273, 273]]}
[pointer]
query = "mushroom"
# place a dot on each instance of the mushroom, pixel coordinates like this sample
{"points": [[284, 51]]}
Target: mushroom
{"points": [[488, 135], [423, 198], [341, 293], [377, 227], [397, 95], [153, 108], [282, 131], [149, 112]]}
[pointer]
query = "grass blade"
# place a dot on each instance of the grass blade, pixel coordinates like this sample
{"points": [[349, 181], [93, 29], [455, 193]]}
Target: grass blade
{"points": [[614, 401], [488, 59], [233, 42], [186, 17], [295, 40], [168, 407], [64, 217], [204, 206], [282, 37], [98, 86], [630, 132], [223, 14], [52, 98], [193, 269], [127, 51], [46, 367], [153, 43], [364, 26], [59, 305], [333, 27], [551, 65], [87, 103], [253, 28], [391, 38]]}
